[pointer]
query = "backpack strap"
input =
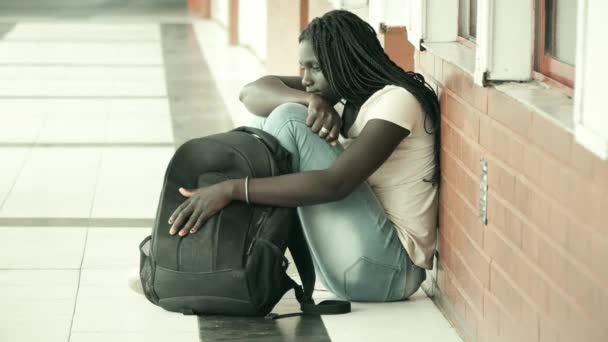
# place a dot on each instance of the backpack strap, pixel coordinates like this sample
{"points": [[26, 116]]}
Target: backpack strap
{"points": [[301, 257]]}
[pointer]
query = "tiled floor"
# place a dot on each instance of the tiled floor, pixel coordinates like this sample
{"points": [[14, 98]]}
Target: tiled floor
{"points": [[90, 113]]}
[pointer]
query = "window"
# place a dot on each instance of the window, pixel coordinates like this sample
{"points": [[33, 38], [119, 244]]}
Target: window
{"points": [[556, 39], [467, 19]]}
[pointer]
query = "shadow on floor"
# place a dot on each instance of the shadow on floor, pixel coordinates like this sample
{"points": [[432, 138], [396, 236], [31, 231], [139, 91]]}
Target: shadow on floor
{"points": [[299, 328]]}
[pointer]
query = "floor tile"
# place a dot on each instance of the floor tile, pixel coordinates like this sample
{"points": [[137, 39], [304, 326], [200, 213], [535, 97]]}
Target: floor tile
{"points": [[139, 127], [152, 107], [54, 182], [130, 182], [74, 127], [20, 128], [109, 248], [55, 81], [190, 336], [85, 31], [35, 329], [80, 53], [38, 284], [44, 247], [105, 297], [417, 320], [12, 160], [28, 295]]}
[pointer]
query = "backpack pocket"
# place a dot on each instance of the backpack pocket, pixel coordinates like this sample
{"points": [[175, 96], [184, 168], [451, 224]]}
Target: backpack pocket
{"points": [[266, 267], [147, 269]]}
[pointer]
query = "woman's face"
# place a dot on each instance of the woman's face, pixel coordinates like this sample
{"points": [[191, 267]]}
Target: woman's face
{"points": [[313, 79]]}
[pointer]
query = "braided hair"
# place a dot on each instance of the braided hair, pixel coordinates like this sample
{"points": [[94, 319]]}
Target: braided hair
{"points": [[356, 66]]}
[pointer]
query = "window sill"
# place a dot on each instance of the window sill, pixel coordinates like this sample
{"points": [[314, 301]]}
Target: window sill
{"points": [[540, 97], [455, 53]]}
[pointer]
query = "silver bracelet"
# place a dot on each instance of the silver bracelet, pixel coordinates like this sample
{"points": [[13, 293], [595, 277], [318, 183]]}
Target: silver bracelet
{"points": [[247, 190]]}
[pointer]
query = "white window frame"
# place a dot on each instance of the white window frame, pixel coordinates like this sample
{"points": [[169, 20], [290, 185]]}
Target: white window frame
{"points": [[590, 116], [504, 51]]}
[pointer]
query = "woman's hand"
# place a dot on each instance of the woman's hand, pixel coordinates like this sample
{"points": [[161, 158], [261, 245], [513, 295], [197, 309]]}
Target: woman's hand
{"points": [[201, 204], [323, 118]]}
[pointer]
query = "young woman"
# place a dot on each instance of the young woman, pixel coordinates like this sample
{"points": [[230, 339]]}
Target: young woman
{"points": [[369, 209]]}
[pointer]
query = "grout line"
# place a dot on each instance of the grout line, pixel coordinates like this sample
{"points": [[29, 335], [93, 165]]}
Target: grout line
{"points": [[40, 269], [114, 222], [79, 65], [10, 190], [84, 97], [77, 40], [86, 238], [86, 144]]}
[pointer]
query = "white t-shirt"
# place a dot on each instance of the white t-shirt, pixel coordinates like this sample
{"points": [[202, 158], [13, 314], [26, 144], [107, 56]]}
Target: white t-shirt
{"points": [[409, 202]]}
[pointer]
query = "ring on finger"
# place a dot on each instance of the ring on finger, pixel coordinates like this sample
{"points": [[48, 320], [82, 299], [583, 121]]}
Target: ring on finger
{"points": [[324, 130]]}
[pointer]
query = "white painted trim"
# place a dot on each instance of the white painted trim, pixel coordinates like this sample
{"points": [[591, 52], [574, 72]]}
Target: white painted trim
{"points": [[441, 21], [592, 141], [590, 117], [416, 22], [504, 50]]}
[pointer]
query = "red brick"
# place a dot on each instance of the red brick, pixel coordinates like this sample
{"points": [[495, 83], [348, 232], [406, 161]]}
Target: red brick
{"points": [[469, 219], [581, 159], [521, 195], [552, 138], [496, 212], [538, 210], [539, 293], [473, 94], [479, 263], [501, 181], [599, 257], [509, 112], [555, 179], [558, 225], [491, 316], [501, 253], [600, 173], [470, 155], [452, 77], [463, 116], [585, 203], [470, 189], [485, 131], [552, 263], [548, 331], [559, 309], [447, 140], [579, 244], [508, 297], [513, 228], [443, 104], [532, 165], [529, 242], [582, 289], [472, 320], [438, 75], [449, 226], [516, 152], [427, 62]]}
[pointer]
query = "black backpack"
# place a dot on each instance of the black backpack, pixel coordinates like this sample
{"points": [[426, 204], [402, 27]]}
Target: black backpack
{"points": [[235, 264]]}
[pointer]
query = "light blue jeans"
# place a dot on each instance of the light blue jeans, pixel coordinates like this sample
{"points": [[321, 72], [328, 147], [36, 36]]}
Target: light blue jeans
{"points": [[355, 248]]}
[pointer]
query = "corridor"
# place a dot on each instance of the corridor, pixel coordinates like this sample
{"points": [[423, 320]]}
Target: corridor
{"points": [[94, 99]]}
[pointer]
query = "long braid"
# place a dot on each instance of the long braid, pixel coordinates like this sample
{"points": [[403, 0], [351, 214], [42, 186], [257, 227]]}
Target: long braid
{"points": [[356, 66]]}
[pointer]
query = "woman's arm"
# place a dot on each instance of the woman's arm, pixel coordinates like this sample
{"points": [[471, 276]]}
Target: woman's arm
{"points": [[374, 145], [364, 156], [263, 95]]}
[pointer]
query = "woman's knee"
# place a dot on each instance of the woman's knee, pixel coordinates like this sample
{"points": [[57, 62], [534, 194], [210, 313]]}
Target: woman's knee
{"points": [[287, 112]]}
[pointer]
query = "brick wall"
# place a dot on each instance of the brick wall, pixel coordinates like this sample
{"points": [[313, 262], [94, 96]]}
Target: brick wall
{"points": [[538, 271]]}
